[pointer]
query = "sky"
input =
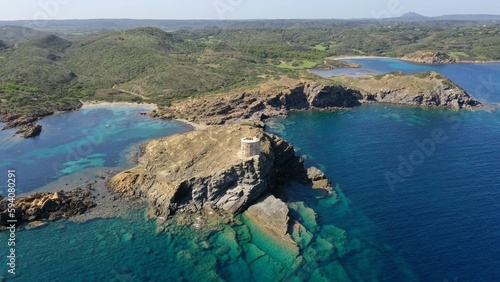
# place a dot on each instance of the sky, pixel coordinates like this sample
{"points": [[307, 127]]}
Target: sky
{"points": [[237, 9]]}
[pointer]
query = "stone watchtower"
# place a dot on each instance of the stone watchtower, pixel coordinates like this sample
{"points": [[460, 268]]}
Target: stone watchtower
{"points": [[250, 147]]}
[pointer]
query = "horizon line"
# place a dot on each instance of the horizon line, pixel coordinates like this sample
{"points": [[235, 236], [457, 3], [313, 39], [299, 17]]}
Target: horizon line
{"points": [[247, 19]]}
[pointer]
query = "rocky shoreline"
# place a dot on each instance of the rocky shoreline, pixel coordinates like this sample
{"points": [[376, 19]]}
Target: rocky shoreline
{"points": [[26, 126], [430, 58], [56, 202], [431, 90], [425, 58], [186, 173], [41, 207], [438, 58]]}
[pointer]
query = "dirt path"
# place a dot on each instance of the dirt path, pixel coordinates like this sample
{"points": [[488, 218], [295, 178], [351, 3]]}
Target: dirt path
{"points": [[131, 93]]}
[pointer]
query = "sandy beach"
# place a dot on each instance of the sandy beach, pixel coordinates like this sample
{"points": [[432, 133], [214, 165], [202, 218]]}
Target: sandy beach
{"points": [[358, 57], [150, 106], [94, 104], [196, 126]]}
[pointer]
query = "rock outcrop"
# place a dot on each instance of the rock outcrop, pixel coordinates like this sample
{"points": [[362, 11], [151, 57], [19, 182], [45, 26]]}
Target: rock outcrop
{"points": [[258, 106], [25, 125], [30, 130], [318, 178], [46, 206], [427, 89], [442, 96], [320, 182], [430, 58], [204, 169]]}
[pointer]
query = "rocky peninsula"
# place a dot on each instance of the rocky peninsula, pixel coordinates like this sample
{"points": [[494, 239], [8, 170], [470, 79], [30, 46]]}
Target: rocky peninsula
{"points": [[206, 170], [209, 179], [276, 98]]}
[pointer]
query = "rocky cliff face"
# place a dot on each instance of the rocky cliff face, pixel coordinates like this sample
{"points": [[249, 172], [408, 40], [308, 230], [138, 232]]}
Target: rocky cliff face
{"points": [[441, 96], [308, 96], [204, 169]]}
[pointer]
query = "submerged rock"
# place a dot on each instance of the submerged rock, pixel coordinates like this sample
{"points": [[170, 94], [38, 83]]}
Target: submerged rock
{"points": [[273, 214]]}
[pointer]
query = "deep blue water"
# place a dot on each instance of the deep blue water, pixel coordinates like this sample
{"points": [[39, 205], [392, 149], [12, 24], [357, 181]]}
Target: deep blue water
{"points": [[435, 218], [443, 213], [444, 218]]}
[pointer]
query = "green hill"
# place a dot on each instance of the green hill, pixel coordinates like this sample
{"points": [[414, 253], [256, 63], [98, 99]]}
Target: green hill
{"points": [[11, 33], [133, 65]]}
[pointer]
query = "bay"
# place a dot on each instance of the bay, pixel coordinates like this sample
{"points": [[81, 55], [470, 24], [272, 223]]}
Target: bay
{"points": [[74, 142], [438, 222]]}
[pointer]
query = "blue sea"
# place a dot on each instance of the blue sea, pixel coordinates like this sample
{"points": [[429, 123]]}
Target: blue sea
{"points": [[417, 197]]}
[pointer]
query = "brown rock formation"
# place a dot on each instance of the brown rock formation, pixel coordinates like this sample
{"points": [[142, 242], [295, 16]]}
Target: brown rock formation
{"points": [[430, 58], [30, 130], [46, 206], [428, 89]]}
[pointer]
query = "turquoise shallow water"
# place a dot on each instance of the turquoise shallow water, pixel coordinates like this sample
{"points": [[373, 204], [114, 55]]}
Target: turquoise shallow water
{"points": [[131, 249], [72, 142]]}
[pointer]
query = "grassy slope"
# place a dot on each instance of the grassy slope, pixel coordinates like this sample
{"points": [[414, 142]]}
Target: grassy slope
{"points": [[145, 63]]}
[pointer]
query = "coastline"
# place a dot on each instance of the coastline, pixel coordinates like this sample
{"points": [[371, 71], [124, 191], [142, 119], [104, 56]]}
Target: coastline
{"points": [[195, 126], [150, 106], [95, 104], [339, 58]]}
